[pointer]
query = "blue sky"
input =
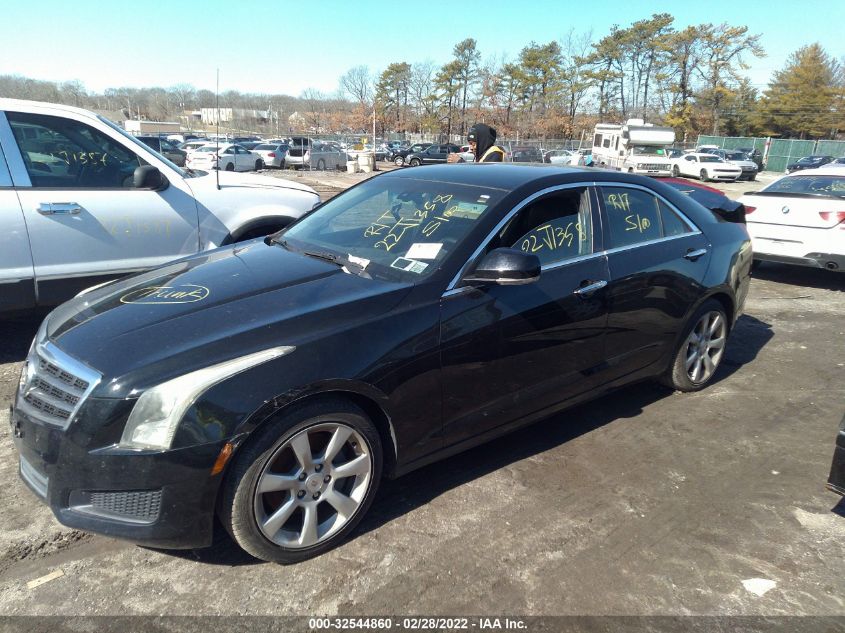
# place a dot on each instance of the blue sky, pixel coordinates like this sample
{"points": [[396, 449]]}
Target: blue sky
{"points": [[277, 46]]}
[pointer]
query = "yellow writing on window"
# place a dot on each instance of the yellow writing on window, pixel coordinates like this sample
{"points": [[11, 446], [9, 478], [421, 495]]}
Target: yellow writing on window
{"points": [[637, 223], [619, 201]]}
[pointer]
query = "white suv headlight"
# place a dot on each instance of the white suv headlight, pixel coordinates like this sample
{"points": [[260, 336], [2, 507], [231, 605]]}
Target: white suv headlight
{"points": [[155, 417]]}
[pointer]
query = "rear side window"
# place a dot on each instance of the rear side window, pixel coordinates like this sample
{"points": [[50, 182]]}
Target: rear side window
{"points": [[636, 216], [62, 153]]}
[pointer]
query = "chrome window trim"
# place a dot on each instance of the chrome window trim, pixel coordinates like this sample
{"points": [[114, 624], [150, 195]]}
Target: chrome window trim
{"points": [[5, 176], [14, 160], [507, 218]]}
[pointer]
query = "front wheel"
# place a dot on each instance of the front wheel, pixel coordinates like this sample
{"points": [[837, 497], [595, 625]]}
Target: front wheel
{"points": [[398, 161], [230, 167], [321, 165], [703, 175], [702, 349], [259, 164], [675, 171], [303, 482]]}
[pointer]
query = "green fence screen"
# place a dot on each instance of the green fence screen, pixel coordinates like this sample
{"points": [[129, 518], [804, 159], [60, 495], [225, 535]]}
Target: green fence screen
{"points": [[782, 151]]}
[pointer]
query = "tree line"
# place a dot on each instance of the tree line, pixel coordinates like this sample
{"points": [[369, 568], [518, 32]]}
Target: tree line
{"points": [[690, 79]]}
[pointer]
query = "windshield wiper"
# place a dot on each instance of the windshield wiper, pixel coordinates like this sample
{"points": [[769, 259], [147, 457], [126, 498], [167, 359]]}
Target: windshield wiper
{"points": [[338, 260]]}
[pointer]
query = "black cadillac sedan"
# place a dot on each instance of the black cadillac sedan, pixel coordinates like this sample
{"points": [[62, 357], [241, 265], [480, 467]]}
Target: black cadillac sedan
{"points": [[275, 382]]}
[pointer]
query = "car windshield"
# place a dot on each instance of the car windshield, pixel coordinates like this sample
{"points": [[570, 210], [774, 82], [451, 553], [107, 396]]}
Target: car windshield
{"points": [[648, 150], [397, 229], [709, 158], [735, 156], [208, 148], [826, 186]]}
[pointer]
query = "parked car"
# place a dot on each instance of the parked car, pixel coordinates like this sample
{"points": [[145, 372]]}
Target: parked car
{"points": [[306, 152], [705, 166], [526, 155], [838, 162], [274, 384], [273, 154], [82, 202], [191, 146], [432, 154], [561, 157], [740, 159], [808, 162], [226, 157], [800, 219], [754, 155], [400, 155], [165, 148]]}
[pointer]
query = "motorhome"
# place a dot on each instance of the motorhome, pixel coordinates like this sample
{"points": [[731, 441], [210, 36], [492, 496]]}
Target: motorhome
{"points": [[636, 147]]}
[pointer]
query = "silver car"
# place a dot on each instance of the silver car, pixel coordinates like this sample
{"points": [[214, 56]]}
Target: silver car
{"points": [[305, 152], [273, 154]]}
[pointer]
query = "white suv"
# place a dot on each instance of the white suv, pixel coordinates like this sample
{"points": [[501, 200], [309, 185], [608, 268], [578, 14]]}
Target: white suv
{"points": [[82, 202]]}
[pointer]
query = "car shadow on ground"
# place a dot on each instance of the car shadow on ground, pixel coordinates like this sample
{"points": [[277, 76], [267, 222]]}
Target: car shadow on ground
{"points": [[398, 497], [801, 276], [16, 336]]}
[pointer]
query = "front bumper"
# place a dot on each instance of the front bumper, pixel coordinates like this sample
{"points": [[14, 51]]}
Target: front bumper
{"points": [[162, 499]]}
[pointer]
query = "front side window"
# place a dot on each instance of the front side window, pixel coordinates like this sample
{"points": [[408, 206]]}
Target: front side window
{"points": [[65, 154], [635, 216], [555, 228]]}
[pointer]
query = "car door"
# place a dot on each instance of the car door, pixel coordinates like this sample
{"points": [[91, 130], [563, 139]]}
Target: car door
{"points": [[657, 259], [17, 287], [434, 154], [513, 351], [86, 221]]}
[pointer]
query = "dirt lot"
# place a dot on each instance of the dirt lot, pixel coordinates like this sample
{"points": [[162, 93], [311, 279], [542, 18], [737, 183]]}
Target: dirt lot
{"points": [[646, 502]]}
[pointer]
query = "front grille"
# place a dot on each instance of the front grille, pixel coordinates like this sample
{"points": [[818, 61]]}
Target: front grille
{"points": [[142, 505], [55, 385]]}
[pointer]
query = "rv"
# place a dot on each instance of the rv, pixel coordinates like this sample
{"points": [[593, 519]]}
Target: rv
{"points": [[636, 147]]}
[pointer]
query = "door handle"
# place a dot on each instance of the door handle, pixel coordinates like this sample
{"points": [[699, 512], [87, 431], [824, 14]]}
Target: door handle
{"points": [[58, 208], [585, 291], [693, 255]]}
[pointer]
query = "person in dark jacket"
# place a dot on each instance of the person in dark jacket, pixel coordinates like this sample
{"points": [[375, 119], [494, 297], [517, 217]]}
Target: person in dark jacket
{"points": [[482, 143]]}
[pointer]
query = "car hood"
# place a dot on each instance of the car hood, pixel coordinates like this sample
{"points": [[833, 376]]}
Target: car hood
{"points": [[209, 308], [229, 179]]}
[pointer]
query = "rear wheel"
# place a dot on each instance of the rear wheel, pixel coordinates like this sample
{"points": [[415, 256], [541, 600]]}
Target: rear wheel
{"points": [[259, 164], [415, 162], [702, 349], [303, 482], [321, 165], [230, 167]]}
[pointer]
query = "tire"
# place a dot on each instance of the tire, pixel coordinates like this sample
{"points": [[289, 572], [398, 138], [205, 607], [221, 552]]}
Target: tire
{"points": [[753, 178], [230, 167], [703, 175], [321, 165], [701, 350], [675, 171], [259, 164], [286, 456], [415, 162], [399, 161]]}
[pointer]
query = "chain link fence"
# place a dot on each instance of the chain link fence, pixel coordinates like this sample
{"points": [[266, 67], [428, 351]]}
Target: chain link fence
{"points": [[778, 152]]}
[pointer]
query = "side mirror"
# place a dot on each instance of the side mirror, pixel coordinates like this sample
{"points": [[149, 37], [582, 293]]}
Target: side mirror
{"points": [[148, 177], [506, 267]]}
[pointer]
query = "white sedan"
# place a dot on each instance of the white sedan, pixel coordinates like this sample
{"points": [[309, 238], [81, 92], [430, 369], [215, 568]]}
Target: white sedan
{"points": [[705, 166], [800, 219], [226, 156]]}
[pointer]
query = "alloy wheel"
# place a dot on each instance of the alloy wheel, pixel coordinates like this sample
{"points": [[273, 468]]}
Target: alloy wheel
{"points": [[312, 485], [705, 347]]}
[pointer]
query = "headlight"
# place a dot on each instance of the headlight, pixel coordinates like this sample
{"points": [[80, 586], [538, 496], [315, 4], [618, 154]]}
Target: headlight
{"points": [[155, 417]]}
